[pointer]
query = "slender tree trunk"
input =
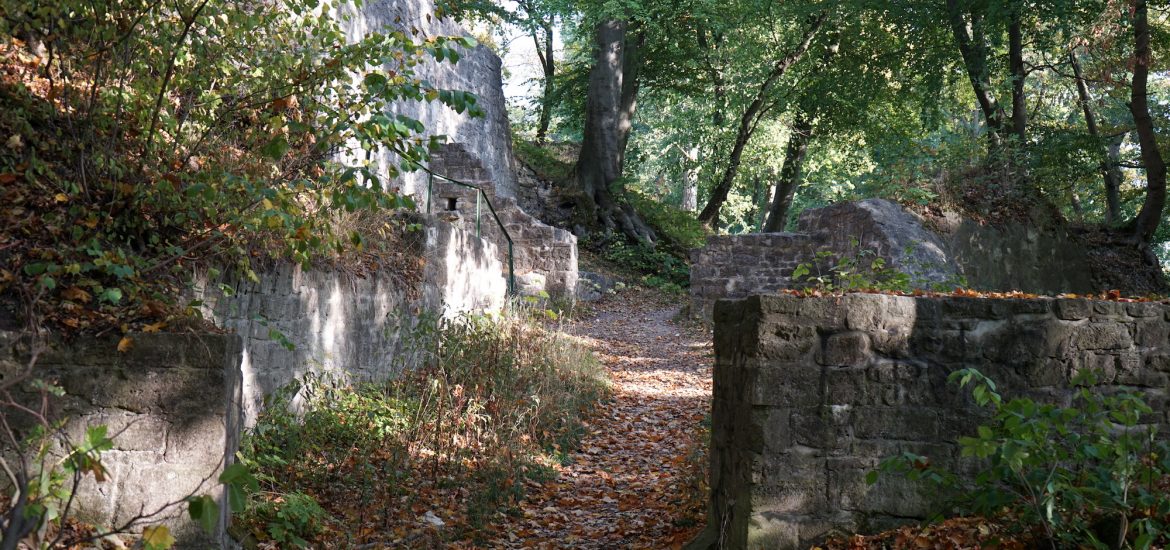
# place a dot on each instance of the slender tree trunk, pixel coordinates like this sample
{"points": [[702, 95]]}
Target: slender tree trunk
{"points": [[1110, 172], [790, 174], [1018, 72], [715, 74], [973, 48], [609, 111], [548, 64], [1150, 216], [690, 198], [748, 123]]}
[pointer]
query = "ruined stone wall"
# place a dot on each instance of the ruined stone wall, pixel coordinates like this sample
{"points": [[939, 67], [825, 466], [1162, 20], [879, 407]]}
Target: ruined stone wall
{"points": [[544, 257], [477, 71], [811, 393], [731, 267], [478, 150], [735, 266], [1045, 262], [296, 321], [169, 404], [959, 253], [176, 404]]}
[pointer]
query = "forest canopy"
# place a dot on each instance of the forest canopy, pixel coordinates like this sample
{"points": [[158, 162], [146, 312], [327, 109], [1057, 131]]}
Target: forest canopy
{"points": [[747, 112]]}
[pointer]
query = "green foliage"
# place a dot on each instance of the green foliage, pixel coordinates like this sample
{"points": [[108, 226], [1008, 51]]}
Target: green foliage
{"points": [[677, 229], [547, 164], [292, 519], [496, 400], [1067, 470], [654, 267], [861, 270], [199, 126]]}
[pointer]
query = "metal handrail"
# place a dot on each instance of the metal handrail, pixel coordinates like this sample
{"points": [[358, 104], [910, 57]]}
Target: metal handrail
{"points": [[478, 196]]}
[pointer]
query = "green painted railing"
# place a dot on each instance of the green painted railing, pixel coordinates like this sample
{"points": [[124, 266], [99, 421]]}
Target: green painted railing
{"points": [[480, 197]]}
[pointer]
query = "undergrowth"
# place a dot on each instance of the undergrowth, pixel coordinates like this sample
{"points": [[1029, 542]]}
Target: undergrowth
{"points": [[547, 163], [429, 456], [141, 138], [664, 266], [678, 230], [1095, 474]]}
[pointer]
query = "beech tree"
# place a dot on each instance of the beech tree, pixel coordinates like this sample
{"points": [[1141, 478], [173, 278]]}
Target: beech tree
{"points": [[609, 112]]}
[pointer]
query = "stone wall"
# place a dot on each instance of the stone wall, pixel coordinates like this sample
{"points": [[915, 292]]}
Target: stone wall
{"points": [[1027, 262], [544, 257], [168, 403], [966, 254], [731, 267], [811, 393], [478, 71], [295, 321], [178, 402]]}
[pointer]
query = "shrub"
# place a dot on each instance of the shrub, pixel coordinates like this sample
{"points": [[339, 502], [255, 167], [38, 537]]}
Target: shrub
{"points": [[654, 267], [677, 229], [195, 129], [863, 269], [1090, 474], [496, 401]]}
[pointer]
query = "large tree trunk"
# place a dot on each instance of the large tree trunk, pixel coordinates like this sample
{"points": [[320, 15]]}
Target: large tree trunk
{"points": [[790, 174], [1151, 213], [548, 64], [748, 122], [609, 111], [1110, 171]]}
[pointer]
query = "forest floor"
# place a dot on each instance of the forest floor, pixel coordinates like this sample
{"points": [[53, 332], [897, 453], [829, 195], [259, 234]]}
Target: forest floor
{"points": [[637, 478]]}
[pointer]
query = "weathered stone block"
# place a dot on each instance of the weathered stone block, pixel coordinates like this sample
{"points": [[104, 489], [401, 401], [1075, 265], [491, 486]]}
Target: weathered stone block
{"points": [[847, 386], [891, 495], [1146, 309], [1100, 336], [785, 342], [825, 427], [1072, 309], [790, 483], [1153, 333], [902, 423], [780, 386], [846, 349], [774, 427]]}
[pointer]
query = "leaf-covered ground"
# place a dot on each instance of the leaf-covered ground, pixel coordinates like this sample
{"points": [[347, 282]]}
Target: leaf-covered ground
{"points": [[636, 479]]}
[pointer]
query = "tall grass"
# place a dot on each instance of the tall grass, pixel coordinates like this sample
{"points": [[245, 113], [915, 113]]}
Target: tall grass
{"points": [[496, 400]]}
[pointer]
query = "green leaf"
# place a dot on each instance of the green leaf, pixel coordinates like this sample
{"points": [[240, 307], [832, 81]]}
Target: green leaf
{"points": [[204, 511], [112, 295], [276, 148]]}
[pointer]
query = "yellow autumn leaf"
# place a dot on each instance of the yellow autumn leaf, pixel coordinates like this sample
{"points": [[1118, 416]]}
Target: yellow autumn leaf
{"points": [[155, 327], [125, 344], [61, 197], [157, 537]]}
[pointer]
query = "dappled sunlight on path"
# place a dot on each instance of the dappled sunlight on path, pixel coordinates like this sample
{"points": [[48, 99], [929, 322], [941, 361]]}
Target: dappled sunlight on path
{"points": [[631, 483]]}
